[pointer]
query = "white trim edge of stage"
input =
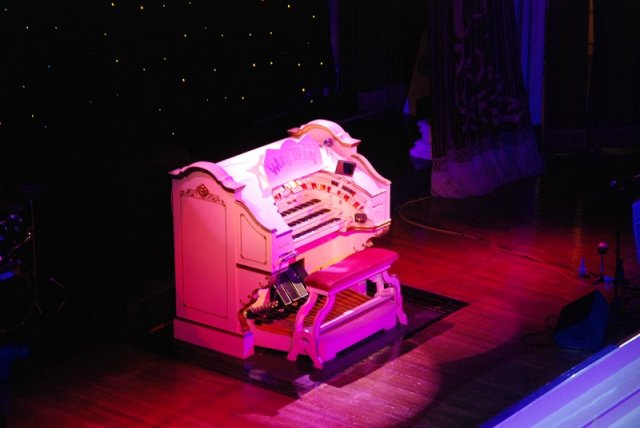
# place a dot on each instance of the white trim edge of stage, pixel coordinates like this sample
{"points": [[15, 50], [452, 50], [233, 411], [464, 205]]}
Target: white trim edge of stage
{"points": [[602, 392]]}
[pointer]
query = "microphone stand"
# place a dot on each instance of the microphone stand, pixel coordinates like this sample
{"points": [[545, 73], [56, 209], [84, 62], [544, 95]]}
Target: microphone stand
{"points": [[619, 279]]}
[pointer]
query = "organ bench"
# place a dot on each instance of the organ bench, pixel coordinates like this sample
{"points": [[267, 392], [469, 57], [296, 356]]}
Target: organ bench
{"points": [[322, 330]]}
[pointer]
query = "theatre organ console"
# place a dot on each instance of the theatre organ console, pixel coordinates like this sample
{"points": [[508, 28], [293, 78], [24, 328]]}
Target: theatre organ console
{"points": [[272, 248]]}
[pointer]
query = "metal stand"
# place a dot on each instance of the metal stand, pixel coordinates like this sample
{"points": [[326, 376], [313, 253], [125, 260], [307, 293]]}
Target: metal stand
{"points": [[619, 279], [603, 247]]}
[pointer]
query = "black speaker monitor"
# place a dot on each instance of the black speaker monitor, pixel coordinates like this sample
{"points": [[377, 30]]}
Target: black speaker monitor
{"points": [[582, 324]]}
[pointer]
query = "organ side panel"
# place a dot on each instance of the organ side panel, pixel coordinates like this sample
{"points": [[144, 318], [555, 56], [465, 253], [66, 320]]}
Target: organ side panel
{"points": [[204, 265], [207, 298]]}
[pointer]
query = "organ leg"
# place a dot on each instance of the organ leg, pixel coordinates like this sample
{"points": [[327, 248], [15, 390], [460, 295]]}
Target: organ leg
{"points": [[395, 283]]}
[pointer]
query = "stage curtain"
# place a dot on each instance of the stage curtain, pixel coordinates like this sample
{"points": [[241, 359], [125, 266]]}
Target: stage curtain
{"points": [[566, 76], [530, 21], [614, 98], [378, 41], [482, 136]]}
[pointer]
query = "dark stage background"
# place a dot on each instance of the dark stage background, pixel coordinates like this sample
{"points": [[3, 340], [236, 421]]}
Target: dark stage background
{"points": [[101, 99]]}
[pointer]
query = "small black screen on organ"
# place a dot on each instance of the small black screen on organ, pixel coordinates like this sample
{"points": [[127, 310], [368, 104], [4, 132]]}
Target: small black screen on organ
{"points": [[345, 168]]}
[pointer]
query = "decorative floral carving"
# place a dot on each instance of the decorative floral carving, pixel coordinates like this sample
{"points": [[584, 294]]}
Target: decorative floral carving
{"points": [[202, 192]]}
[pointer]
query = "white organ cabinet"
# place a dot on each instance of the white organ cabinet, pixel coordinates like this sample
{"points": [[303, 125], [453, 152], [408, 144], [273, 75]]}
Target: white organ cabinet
{"points": [[249, 229]]}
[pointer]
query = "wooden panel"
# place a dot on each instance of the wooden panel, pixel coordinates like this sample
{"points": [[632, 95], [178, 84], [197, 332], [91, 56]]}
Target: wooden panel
{"points": [[205, 264]]}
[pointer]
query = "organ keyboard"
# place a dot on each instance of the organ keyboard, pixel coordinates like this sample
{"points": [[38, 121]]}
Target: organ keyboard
{"points": [[248, 230]]}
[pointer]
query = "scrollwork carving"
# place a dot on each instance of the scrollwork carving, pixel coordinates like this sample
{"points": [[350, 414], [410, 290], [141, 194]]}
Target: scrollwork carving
{"points": [[202, 192]]}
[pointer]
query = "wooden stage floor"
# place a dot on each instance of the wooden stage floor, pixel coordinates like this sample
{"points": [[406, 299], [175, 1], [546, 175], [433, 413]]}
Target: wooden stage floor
{"points": [[513, 256]]}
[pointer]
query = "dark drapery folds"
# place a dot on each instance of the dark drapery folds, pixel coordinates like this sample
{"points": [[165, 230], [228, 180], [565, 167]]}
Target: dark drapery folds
{"points": [[614, 97], [481, 132], [566, 76], [378, 41]]}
